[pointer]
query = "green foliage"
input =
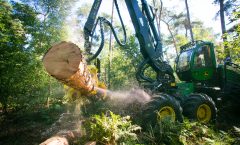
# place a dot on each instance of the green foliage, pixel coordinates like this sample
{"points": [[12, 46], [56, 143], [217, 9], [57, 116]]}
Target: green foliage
{"points": [[122, 71], [112, 129], [181, 40], [195, 133], [178, 25], [123, 64], [49, 27], [220, 54], [164, 132], [203, 33], [13, 58], [25, 35], [229, 6], [233, 40], [186, 133]]}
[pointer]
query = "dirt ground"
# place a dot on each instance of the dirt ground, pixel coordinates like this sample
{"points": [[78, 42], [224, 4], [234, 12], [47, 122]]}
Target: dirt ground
{"points": [[27, 127]]}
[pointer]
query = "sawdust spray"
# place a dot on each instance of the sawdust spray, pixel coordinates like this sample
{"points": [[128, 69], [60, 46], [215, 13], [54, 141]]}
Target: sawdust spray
{"points": [[124, 98]]}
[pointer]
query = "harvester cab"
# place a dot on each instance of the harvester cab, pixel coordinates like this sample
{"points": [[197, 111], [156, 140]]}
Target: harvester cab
{"points": [[196, 62]]}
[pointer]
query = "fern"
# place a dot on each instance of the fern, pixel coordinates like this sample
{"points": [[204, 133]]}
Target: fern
{"points": [[112, 129]]}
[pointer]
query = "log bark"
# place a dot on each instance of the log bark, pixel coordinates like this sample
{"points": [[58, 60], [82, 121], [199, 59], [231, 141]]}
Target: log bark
{"points": [[65, 62], [56, 141]]}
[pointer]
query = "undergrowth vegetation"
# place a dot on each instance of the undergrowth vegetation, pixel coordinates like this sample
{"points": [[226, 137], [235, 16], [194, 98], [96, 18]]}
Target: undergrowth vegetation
{"points": [[112, 129]]}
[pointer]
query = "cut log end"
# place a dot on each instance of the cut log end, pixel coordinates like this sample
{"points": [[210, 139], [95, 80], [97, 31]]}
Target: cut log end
{"points": [[65, 62], [62, 60]]}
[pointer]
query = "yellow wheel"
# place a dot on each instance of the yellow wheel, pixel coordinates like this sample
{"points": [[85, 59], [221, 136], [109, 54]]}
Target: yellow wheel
{"points": [[166, 112], [160, 107], [204, 113], [200, 107]]}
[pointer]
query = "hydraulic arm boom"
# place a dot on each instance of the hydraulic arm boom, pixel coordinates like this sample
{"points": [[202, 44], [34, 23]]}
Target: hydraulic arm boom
{"points": [[147, 35]]}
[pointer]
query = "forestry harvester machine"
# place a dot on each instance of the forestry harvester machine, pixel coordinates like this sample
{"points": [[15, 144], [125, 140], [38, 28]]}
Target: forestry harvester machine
{"points": [[204, 83]]}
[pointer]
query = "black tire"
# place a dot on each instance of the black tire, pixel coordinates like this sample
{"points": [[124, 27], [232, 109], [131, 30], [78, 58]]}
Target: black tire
{"points": [[196, 102], [150, 115]]}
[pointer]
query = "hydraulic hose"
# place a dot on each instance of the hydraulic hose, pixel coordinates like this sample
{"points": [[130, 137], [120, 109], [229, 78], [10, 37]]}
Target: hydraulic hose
{"points": [[101, 21]]}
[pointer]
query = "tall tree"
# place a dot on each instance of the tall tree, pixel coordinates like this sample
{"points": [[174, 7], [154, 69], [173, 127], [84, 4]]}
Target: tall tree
{"points": [[16, 62], [52, 15], [222, 16], [226, 7], [233, 41], [170, 18], [158, 5], [189, 20], [50, 27]]}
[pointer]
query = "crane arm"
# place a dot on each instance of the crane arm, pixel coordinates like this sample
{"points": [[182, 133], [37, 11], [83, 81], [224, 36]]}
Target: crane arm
{"points": [[146, 33]]}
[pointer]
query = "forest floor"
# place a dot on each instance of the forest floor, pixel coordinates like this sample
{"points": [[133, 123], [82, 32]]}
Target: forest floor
{"points": [[35, 126], [26, 127]]}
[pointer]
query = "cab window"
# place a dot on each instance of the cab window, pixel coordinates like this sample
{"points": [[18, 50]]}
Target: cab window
{"points": [[202, 57], [184, 60]]}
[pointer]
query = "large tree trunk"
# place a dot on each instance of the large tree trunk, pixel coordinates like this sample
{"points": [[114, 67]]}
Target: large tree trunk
{"points": [[222, 17], [189, 21], [65, 62], [223, 27]]}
